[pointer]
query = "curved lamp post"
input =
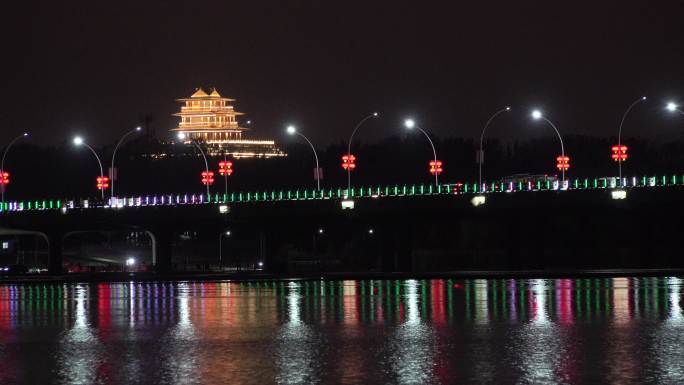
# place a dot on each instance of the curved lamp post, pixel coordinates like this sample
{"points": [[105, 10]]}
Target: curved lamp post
{"points": [[349, 144], [622, 121], [137, 129], [410, 124], [184, 137], [536, 114], [292, 130], [480, 155], [78, 141], [2, 164]]}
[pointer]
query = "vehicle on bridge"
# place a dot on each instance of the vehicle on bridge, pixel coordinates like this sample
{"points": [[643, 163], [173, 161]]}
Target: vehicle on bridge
{"points": [[529, 178]]}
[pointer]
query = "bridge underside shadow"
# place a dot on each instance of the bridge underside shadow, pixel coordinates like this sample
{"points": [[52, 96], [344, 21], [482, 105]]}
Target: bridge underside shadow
{"points": [[545, 230]]}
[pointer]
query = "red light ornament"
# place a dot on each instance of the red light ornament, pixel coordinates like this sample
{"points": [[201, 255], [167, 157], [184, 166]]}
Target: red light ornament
{"points": [[619, 153], [225, 168], [563, 163], [436, 167], [207, 178], [348, 162], [4, 177], [102, 182]]}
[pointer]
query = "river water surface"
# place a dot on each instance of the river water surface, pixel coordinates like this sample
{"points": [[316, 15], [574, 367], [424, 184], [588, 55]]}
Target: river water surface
{"points": [[574, 331]]}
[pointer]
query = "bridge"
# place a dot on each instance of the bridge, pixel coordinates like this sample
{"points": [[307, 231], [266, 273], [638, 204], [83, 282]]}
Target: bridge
{"points": [[539, 224], [583, 184]]}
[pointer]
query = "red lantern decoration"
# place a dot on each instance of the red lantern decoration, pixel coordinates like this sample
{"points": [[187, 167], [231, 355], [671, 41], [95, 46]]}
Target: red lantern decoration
{"points": [[4, 177], [102, 182], [207, 178], [225, 168], [619, 153], [563, 163], [348, 162], [436, 167]]}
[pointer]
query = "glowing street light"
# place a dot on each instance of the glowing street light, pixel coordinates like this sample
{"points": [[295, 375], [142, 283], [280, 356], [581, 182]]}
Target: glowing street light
{"points": [[205, 175], [78, 141], [349, 161], [480, 154], [563, 162], [435, 165], [672, 107], [113, 173], [3, 186], [622, 150], [292, 130]]}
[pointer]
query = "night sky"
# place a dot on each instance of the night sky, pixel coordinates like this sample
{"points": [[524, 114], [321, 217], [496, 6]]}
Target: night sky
{"points": [[96, 68]]}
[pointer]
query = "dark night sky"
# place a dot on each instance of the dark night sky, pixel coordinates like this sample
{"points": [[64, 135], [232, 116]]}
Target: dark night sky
{"points": [[82, 66]]}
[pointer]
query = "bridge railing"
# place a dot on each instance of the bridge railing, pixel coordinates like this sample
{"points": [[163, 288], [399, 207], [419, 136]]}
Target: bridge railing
{"points": [[372, 192]]}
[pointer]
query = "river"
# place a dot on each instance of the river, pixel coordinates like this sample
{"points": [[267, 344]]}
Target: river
{"points": [[441, 331]]}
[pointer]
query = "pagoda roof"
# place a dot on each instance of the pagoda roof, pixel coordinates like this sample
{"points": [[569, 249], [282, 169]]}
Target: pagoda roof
{"points": [[214, 93], [199, 93]]}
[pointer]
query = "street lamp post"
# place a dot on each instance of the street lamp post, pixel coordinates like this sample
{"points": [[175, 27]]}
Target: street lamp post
{"points": [[78, 141], [112, 177], [292, 130], [410, 124], [2, 164], [536, 114], [622, 121], [349, 144], [182, 136], [480, 155]]}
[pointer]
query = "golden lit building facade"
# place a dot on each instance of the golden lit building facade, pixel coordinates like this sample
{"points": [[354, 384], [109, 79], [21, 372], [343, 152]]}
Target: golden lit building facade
{"points": [[211, 120]]}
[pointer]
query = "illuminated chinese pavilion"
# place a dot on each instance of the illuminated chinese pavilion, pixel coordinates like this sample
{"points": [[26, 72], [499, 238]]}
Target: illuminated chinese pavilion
{"points": [[210, 119]]}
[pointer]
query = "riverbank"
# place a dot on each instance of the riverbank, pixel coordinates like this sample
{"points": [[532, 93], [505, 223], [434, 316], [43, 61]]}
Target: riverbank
{"points": [[255, 276]]}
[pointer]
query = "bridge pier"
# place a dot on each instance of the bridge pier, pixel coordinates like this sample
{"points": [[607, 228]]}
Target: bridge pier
{"points": [[55, 245], [162, 248]]}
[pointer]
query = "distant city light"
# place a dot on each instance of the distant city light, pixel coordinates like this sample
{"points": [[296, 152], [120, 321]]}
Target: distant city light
{"points": [[508, 108], [672, 106], [261, 264], [536, 114], [224, 209], [409, 123], [138, 128], [320, 231], [130, 261], [375, 114], [228, 233], [371, 231], [78, 141], [291, 130], [181, 135], [347, 204]]}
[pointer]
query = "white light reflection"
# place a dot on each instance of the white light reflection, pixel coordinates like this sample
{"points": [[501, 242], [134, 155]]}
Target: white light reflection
{"points": [[179, 356], [482, 353], [80, 351], [295, 355], [669, 336], [413, 348], [540, 340]]}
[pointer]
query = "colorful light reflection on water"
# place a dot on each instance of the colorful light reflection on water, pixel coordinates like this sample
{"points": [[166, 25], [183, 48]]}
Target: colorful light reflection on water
{"points": [[612, 330]]}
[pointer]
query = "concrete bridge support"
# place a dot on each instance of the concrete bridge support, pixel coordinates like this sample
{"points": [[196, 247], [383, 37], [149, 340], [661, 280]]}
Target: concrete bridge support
{"points": [[162, 248]]}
